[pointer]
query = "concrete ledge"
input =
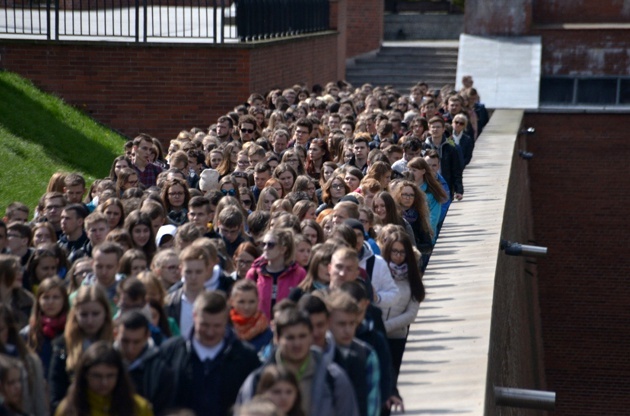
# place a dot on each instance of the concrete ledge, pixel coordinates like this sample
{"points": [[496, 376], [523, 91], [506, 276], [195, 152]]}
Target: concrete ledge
{"points": [[445, 364]]}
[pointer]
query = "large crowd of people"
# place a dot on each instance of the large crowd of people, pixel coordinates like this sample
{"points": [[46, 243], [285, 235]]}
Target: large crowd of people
{"points": [[269, 265]]}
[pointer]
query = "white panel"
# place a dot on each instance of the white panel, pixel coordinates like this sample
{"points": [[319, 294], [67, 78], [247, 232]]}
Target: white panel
{"points": [[506, 70]]}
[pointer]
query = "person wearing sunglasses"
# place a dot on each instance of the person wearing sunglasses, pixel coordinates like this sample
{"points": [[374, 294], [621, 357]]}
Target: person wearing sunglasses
{"points": [[462, 139], [247, 128], [276, 272], [247, 199]]}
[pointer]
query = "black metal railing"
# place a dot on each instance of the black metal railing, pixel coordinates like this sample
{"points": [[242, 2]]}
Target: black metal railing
{"points": [[264, 19], [216, 21]]}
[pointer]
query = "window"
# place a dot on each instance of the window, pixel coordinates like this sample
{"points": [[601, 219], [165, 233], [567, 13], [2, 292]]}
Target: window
{"points": [[597, 91], [580, 91]]}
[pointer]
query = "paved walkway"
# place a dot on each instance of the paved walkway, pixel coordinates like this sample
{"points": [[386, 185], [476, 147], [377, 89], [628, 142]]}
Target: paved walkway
{"points": [[445, 362]]}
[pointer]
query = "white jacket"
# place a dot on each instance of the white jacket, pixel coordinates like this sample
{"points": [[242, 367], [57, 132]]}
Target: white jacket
{"points": [[382, 280], [401, 314]]}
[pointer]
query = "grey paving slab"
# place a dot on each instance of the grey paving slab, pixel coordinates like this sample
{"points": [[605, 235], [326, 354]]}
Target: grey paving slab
{"points": [[506, 70], [445, 362]]}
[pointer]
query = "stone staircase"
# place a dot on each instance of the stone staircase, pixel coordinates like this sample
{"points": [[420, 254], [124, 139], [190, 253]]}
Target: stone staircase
{"points": [[403, 64]]}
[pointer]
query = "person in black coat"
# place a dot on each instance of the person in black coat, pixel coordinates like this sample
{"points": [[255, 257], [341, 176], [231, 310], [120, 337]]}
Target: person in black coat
{"points": [[450, 162], [211, 364], [149, 372]]}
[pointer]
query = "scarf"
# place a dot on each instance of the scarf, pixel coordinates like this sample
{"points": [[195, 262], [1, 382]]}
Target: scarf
{"points": [[178, 217], [51, 327], [248, 328], [411, 215], [399, 272]]}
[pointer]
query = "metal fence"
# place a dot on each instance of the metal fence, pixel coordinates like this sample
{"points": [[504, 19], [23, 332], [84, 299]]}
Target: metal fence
{"points": [[215, 21], [261, 19]]}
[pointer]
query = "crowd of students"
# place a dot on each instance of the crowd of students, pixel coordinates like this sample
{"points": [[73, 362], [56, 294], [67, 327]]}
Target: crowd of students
{"points": [[271, 265]]}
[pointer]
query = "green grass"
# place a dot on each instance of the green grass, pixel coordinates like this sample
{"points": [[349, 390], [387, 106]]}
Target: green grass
{"points": [[41, 135]]}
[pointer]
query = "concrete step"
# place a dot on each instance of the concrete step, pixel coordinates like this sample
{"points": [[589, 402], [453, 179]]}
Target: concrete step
{"points": [[399, 60], [403, 85], [405, 63], [411, 51], [402, 65], [407, 77]]}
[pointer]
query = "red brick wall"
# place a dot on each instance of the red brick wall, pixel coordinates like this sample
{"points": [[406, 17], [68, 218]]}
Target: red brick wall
{"points": [[498, 17], [162, 89], [286, 63], [365, 26], [562, 11], [515, 356], [587, 52], [579, 186]]}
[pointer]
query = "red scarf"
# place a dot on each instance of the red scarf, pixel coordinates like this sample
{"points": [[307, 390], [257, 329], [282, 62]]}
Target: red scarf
{"points": [[248, 328], [51, 327]]}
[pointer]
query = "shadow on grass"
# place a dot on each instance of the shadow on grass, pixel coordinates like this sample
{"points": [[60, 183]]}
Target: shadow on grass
{"points": [[49, 126]]}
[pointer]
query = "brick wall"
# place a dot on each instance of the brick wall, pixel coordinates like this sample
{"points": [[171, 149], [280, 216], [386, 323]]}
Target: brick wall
{"points": [[562, 11], [585, 52], [162, 89], [498, 17], [365, 26], [515, 356], [286, 63], [579, 185], [515, 17]]}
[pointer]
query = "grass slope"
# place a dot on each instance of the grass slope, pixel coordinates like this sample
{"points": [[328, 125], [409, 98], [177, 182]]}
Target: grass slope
{"points": [[41, 135]]}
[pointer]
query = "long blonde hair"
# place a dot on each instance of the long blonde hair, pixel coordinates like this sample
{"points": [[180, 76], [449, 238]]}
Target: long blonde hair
{"points": [[74, 335]]}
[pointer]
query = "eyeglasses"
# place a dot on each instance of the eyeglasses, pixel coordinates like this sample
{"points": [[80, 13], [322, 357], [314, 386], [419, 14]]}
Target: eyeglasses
{"points": [[269, 244], [337, 186], [230, 192], [243, 162], [398, 253], [407, 196], [250, 131]]}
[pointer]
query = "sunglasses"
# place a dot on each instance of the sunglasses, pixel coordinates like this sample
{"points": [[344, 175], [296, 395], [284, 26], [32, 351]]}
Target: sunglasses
{"points": [[231, 192], [460, 123], [247, 131], [246, 201], [269, 244]]}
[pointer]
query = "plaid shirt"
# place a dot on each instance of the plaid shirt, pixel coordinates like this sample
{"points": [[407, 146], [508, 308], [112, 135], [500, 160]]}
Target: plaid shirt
{"points": [[148, 178]]}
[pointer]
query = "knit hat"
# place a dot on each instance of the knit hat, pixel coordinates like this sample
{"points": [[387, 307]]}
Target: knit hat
{"points": [[355, 224]]}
